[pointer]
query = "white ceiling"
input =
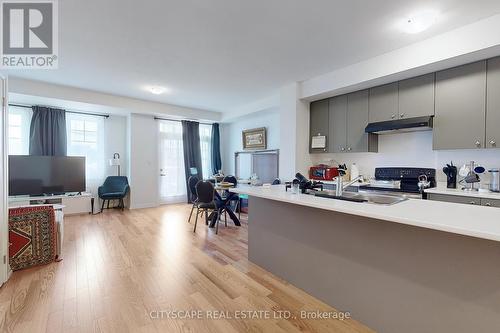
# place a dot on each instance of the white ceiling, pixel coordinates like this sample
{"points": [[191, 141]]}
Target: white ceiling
{"points": [[219, 54]]}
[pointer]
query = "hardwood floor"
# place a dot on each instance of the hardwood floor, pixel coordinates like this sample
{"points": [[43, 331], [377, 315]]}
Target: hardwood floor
{"points": [[122, 272]]}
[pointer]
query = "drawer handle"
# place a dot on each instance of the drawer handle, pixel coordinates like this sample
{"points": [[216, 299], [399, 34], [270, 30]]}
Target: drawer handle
{"points": [[342, 148], [478, 143], [472, 202], [393, 116], [493, 143], [487, 204], [349, 149], [402, 115]]}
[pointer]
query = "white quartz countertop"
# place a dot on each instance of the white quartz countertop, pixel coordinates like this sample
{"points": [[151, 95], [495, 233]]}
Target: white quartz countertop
{"points": [[475, 221], [482, 193]]}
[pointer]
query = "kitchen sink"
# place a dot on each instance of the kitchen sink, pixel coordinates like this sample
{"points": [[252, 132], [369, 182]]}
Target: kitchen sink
{"points": [[374, 198]]}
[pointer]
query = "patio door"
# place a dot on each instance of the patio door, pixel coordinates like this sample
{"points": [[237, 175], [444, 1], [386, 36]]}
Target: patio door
{"points": [[172, 178]]}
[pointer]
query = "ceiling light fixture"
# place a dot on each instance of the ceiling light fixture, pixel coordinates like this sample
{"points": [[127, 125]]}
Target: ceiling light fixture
{"points": [[157, 90], [419, 22]]}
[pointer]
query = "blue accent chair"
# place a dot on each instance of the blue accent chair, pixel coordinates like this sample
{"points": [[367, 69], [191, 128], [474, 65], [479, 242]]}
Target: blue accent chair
{"points": [[114, 188]]}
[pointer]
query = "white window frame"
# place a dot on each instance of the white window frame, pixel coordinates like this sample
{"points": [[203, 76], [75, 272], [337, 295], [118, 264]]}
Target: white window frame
{"points": [[25, 115], [93, 149], [206, 149]]}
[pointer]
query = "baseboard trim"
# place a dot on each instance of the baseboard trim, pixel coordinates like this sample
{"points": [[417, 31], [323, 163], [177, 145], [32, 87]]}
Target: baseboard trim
{"points": [[144, 205]]}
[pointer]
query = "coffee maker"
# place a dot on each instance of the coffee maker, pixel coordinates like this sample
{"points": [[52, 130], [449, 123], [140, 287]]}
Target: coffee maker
{"points": [[305, 184]]}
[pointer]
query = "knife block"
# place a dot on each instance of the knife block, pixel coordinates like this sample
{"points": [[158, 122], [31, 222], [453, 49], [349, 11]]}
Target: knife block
{"points": [[451, 178]]}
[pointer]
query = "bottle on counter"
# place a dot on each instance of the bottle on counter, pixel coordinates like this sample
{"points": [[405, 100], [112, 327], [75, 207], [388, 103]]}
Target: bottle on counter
{"points": [[354, 171]]}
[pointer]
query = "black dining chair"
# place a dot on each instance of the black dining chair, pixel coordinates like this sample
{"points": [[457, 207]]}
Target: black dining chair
{"points": [[205, 192], [193, 197], [236, 199]]}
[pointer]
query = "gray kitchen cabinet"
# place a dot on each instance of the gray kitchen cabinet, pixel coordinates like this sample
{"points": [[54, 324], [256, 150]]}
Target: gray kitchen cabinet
{"points": [[357, 119], [460, 107], [493, 104], [416, 96], [383, 103], [454, 199], [338, 124], [490, 202], [319, 123]]}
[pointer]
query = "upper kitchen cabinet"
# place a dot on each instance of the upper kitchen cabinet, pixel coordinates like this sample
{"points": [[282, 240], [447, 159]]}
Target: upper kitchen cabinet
{"points": [[404, 99], [338, 124], [343, 125], [459, 122], [319, 123], [357, 119], [416, 96], [493, 104], [383, 103]]}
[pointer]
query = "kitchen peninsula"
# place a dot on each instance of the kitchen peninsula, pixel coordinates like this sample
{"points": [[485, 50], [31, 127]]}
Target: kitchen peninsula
{"points": [[416, 266]]}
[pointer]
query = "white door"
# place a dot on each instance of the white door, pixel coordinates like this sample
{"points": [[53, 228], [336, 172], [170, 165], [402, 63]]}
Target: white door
{"points": [[171, 168], [4, 227]]}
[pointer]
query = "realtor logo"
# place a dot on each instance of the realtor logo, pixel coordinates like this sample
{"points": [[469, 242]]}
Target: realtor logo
{"points": [[29, 34]]}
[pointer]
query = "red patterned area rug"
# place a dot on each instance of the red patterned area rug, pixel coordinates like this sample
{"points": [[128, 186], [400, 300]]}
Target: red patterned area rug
{"points": [[32, 236]]}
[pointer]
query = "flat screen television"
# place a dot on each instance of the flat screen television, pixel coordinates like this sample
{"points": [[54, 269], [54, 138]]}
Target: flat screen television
{"points": [[39, 175]]}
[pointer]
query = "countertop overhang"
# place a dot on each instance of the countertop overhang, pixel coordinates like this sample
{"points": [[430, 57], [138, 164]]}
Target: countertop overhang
{"points": [[441, 189], [474, 221]]}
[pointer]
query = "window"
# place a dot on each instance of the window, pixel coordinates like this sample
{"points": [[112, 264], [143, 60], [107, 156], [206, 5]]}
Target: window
{"points": [[19, 130], [85, 135], [206, 150], [84, 131]]}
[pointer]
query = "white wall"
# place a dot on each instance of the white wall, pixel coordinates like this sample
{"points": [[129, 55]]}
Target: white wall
{"points": [[143, 161], [294, 138], [412, 149], [4, 226], [81, 99], [460, 46], [231, 140], [115, 137]]}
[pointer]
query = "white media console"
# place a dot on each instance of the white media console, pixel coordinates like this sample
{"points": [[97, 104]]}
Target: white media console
{"points": [[73, 203]]}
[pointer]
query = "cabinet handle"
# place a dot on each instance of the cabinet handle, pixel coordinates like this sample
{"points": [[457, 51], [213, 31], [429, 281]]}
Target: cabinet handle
{"points": [[478, 143], [487, 204], [342, 148], [402, 115], [324, 149], [349, 149], [472, 202], [493, 143], [393, 116]]}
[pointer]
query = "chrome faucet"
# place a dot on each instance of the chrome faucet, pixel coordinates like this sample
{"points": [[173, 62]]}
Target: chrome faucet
{"points": [[340, 186]]}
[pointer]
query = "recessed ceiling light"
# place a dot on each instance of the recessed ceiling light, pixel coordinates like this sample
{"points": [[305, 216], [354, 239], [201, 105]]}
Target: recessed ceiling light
{"points": [[157, 90], [418, 22]]}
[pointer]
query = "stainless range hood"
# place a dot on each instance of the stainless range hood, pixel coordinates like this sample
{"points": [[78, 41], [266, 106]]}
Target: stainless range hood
{"points": [[401, 125]]}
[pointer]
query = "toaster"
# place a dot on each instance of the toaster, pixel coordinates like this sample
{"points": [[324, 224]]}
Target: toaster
{"points": [[323, 172]]}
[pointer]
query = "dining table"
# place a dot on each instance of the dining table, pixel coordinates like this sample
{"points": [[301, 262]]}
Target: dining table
{"points": [[223, 199]]}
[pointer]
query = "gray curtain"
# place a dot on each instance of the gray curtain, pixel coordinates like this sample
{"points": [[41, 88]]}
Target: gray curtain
{"points": [[48, 132], [216, 160], [192, 150]]}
